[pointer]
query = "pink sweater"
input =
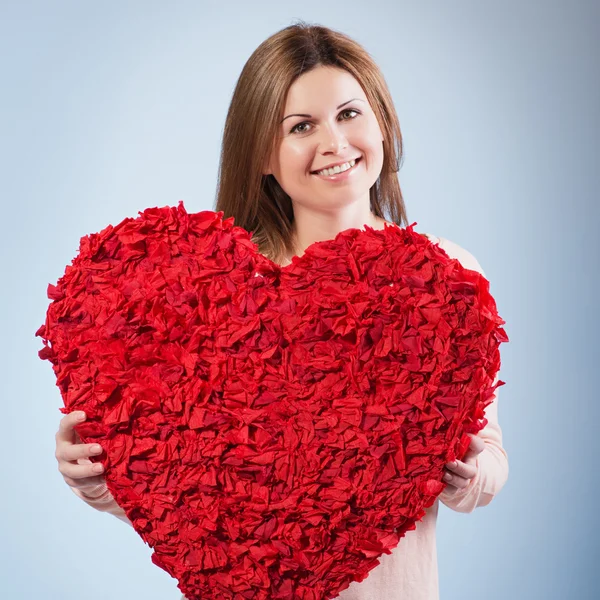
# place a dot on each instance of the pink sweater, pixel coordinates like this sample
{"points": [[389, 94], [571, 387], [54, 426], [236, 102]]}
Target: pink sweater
{"points": [[410, 572]]}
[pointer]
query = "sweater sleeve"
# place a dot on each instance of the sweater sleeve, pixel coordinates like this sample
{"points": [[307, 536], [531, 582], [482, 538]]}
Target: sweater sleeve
{"points": [[492, 462], [101, 499]]}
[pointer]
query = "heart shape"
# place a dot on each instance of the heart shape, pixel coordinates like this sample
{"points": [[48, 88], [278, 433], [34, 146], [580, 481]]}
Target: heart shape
{"points": [[270, 432]]}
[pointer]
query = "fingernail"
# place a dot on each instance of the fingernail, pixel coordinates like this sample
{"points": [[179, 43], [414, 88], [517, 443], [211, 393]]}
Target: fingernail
{"points": [[81, 416], [96, 448], [447, 476], [453, 463], [97, 468]]}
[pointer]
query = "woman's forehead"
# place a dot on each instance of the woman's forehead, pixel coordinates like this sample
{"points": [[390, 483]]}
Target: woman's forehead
{"points": [[322, 85]]}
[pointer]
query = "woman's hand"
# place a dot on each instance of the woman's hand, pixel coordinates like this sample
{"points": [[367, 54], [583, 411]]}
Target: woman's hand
{"points": [[458, 474], [77, 469]]}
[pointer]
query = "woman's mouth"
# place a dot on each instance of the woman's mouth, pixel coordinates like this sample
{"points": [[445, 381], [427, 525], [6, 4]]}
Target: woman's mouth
{"points": [[331, 175]]}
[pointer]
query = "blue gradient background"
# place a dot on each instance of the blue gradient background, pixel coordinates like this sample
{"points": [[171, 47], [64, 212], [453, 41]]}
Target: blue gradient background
{"points": [[109, 108]]}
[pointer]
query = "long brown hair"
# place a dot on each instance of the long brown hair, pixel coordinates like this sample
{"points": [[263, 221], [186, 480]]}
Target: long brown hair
{"points": [[256, 201]]}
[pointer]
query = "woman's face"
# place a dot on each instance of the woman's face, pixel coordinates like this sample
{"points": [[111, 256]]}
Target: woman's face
{"points": [[336, 124]]}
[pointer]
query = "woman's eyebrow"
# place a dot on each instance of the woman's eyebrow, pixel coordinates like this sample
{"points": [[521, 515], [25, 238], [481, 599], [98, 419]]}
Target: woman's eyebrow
{"points": [[310, 116]]}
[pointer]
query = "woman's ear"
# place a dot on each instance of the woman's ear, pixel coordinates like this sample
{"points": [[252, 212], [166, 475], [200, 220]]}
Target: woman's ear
{"points": [[266, 170]]}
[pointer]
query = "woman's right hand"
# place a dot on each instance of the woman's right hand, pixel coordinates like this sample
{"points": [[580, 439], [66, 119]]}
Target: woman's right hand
{"points": [[74, 464]]}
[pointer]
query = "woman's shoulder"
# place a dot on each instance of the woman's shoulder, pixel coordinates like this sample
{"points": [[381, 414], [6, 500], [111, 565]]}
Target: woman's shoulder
{"points": [[431, 237], [454, 250]]}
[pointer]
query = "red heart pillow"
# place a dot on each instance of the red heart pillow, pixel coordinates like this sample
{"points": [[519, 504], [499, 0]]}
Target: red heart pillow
{"points": [[269, 431]]}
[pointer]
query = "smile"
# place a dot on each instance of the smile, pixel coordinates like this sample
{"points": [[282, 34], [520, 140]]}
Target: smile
{"points": [[340, 175]]}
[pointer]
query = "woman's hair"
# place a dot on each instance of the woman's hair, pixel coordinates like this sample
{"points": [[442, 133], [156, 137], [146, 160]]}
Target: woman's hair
{"points": [[256, 201]]}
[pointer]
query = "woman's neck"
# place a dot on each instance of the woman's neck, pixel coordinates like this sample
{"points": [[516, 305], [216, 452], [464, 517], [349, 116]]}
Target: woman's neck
{"points": [[299, 248]]}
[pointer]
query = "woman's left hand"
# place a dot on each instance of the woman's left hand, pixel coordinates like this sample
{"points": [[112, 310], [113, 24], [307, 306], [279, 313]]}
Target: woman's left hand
{"points": [[458, 474]]}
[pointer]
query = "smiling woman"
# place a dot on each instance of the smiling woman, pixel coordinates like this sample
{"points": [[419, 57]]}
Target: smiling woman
{"points": [[329, 166], [312, 144], [311, 148]]}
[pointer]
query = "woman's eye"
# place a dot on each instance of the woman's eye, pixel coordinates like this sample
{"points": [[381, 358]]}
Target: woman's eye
{"points": [[348, 110]]}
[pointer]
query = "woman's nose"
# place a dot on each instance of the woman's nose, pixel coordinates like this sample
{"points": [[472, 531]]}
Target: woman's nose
{"points": [[333, 140]]}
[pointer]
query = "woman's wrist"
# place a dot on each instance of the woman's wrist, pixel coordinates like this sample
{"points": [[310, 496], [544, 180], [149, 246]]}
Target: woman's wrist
{"points": [[98, 492]]}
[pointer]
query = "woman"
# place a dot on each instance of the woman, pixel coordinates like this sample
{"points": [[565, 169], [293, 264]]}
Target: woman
{"points": [[311, 147]]}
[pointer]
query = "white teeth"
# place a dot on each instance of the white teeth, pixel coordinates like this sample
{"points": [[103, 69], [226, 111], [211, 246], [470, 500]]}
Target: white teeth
{"points": [[338, 169]]}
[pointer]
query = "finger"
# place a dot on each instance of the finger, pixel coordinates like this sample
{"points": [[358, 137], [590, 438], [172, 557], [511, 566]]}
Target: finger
{"points": [[451, 489], [456, 480], [476, 446], [65, 431], [77, 471], [73, 452], [463, 469]]}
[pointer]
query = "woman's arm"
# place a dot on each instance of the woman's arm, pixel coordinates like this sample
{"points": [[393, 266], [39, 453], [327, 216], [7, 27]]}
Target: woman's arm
{"points": [[492, 462], [101, 499], [492, 468]]}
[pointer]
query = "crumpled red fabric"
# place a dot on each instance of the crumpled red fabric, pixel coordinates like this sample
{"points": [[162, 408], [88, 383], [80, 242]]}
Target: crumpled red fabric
{"points": [[271, 432]]}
